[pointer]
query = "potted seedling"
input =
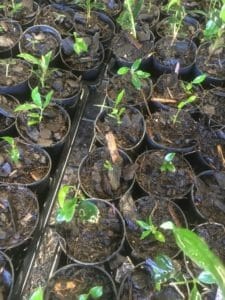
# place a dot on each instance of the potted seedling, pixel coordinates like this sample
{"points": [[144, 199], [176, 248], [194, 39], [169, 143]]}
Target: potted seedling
{"points": [[82, 222], [134, 40], [17, 169], [83, 55], [127, 124], [42, 123]]}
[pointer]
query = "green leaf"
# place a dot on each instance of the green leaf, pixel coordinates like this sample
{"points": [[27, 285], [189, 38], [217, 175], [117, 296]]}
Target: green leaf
{"points": [[222, 13], [83, 297], [169, 156], [25, 107], [187, 101], [123, 70], [145, 234], [136, 81], [88, 211], [206, 277], [119, 97], [79, 45], [8, 139], [48, 99], [96, 292], [143, 224], [38, 294], [45, 60], [66, 213], [159, 236], [36, 97], [172, 3], [167, 225], [211, 29], [195, 295], [142, 74], [136, 65], [62, 194], [30, 58], [199, 79]]}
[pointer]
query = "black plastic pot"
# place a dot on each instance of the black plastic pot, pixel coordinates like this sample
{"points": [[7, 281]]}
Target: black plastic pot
{"points": [[98, 157], [115, 238], [164, 64], [90, 275], [7, 116], [6, 277]]}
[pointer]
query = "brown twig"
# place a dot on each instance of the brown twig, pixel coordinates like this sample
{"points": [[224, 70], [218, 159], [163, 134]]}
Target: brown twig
{"points": [[163, 100], [173, 215], [220, 153]]}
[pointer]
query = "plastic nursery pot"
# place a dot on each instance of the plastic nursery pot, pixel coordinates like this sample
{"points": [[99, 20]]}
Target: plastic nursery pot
{"points": [[33, 169], [106, 235], [127, 49], [207, 195], [57, 16], [163, 133], [129, 134], [20, 215], [149, 15], [163, 184], [10, 36], [139, 284], [38, 40], [7, 117], [160, 211], [97, 181], [87, 70], [11, 81], [7, 276], [80, 280], [204, 62], [50, 133], [169, 53]]}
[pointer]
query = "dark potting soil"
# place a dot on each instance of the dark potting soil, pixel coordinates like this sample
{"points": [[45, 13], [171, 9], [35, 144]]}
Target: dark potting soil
{"points": [[33, 165], [160, 212], [23, 15], [95, 178], [7, 117], [9, 34], [11, 70], [170, 52], [18, 215], [71, 282], [212, 64], [63, 83], [125, 46], [209, 197], [181, 134], [163, 184], [92, 242], [132, 96], [149, 14], [51, 130], [127, 134]]}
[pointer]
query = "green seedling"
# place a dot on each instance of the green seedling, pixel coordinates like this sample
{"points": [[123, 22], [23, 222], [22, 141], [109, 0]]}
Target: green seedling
{"points": [[137, 75], [42, 64], [37, 108], [95, 292], [38, 294], [167, 165], [79, 45], [12, 8], [150, 229], [117, 111], [13, 150], [70, 200], [89, 5], [127, 18], [108, 165], [189, 87]]}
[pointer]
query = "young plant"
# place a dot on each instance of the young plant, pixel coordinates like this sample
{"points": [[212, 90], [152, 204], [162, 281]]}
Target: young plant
{"points": [[37, 108], [70, 200], [13, 150], [167, 165], [108, 165], [95, 292], [12, 8], [150, 229], [42, 64], [127, 18], [38, 294], [117, 110], [189, 87], [88, 5], [137, 75], [79, 45]]}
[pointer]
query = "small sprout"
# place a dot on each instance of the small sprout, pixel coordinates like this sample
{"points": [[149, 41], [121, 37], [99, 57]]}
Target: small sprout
{"points": [[95, 292], [167, 165], [79, 46], [108, 165], [70, 200], [37, 107], [118, 111], [38, 294], [181, 105], [13, 151], [188, 88], [150, 229], [136, 74]]}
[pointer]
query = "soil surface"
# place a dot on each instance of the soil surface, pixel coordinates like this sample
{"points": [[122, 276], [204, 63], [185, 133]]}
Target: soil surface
{"points": [[7, 116], [128, 133], [105, 236], [149, 14], [18, 215], [160, 212], [163, 184], [9, 34], [73, 281], [33, 165], [96, 180], [53, 128]]}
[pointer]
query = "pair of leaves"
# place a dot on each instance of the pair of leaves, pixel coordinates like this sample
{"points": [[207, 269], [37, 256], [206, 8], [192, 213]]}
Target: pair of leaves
{"points": [[167, 165], [79, 46], [95, 293], [149, 228], [13, 151]]}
